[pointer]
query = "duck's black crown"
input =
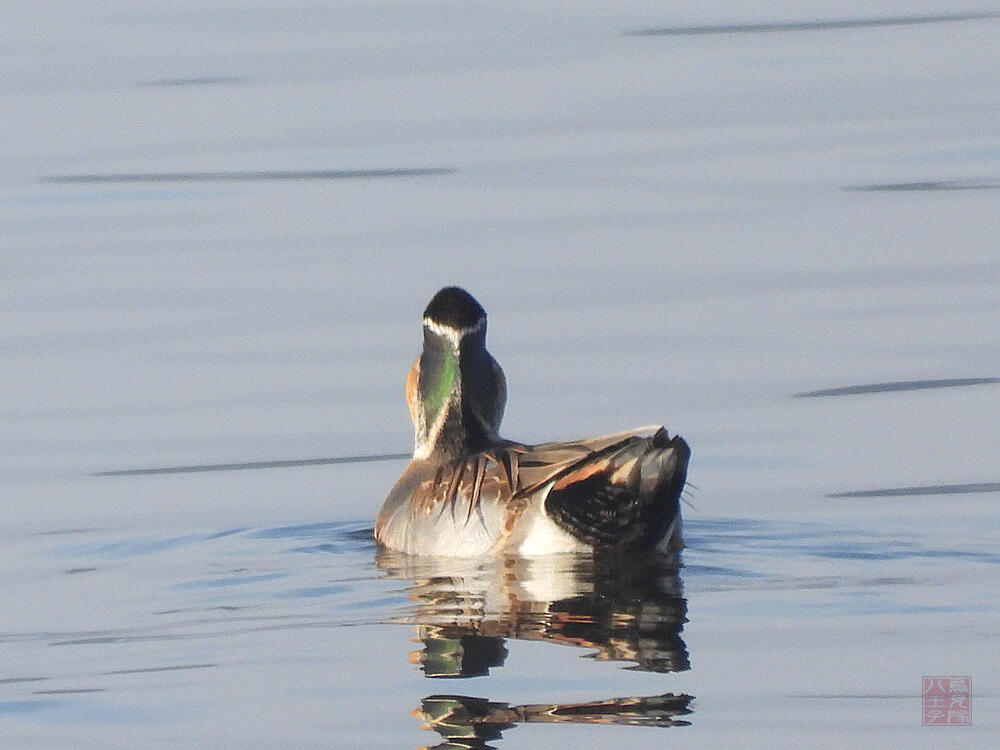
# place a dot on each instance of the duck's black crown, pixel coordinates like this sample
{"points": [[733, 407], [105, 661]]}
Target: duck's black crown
{"points": [[455, 308]]}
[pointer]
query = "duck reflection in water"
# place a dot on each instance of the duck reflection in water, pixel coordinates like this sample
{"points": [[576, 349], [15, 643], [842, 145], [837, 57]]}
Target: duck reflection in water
{"points": [[470, 723], [464, 611]]}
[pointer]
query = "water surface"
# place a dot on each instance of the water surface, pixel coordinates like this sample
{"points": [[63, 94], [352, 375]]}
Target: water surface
{"points": [[220, 226]]}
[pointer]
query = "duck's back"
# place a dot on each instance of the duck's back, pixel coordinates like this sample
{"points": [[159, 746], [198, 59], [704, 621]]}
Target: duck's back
{"points": [[604, 492]]}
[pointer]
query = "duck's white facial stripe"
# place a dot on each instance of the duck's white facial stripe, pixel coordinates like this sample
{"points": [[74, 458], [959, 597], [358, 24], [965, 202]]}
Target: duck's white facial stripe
{"points": [[454, 335]]}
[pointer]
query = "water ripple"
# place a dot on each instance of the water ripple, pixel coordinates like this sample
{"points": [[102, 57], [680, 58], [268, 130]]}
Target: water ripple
{"points": [[931, 489], [247, 176], [933, 185], [248, 465], [198, 81], [817, 25], [900, 385]]}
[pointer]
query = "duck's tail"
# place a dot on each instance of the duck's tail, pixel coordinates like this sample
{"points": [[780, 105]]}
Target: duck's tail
{"points": [[626, 495]]}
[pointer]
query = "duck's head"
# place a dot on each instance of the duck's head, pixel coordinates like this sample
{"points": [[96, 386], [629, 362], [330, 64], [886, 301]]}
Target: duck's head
{"points": [[455, 390]]}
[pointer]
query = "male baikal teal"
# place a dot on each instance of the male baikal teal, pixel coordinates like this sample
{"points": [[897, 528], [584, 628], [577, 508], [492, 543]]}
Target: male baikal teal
{"points": [[467, 492]]}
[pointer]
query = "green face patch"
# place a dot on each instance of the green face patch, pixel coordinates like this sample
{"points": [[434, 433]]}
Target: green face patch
{"points": [[437, 379]]}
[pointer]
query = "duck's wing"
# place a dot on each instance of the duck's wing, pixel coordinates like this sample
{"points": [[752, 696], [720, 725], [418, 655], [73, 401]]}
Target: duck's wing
{"points": [[603, 490], [470, 506], [504, 471], [612, 491], [538, 465]]}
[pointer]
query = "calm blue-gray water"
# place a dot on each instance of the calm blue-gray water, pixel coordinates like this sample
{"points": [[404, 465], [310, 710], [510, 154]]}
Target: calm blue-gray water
{"points": [[773, 230]]}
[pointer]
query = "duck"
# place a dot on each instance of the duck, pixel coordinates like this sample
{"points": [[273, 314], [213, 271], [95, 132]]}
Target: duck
{"points": [[468, 492]]}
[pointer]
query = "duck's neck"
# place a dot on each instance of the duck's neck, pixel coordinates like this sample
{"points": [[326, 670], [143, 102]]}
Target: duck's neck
{"points": [[461, 397]]}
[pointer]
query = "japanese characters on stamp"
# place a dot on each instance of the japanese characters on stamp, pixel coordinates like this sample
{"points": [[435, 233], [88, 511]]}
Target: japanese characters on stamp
{"points": [[947, 701]]}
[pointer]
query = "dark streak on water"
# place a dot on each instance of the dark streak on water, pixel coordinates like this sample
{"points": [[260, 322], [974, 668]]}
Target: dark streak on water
{"points": [[933, 489], [176, 668], [308, 174], [100, 640], [901, 187], [199, 81], [253, 465], [845, 23], [901, 385]]}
